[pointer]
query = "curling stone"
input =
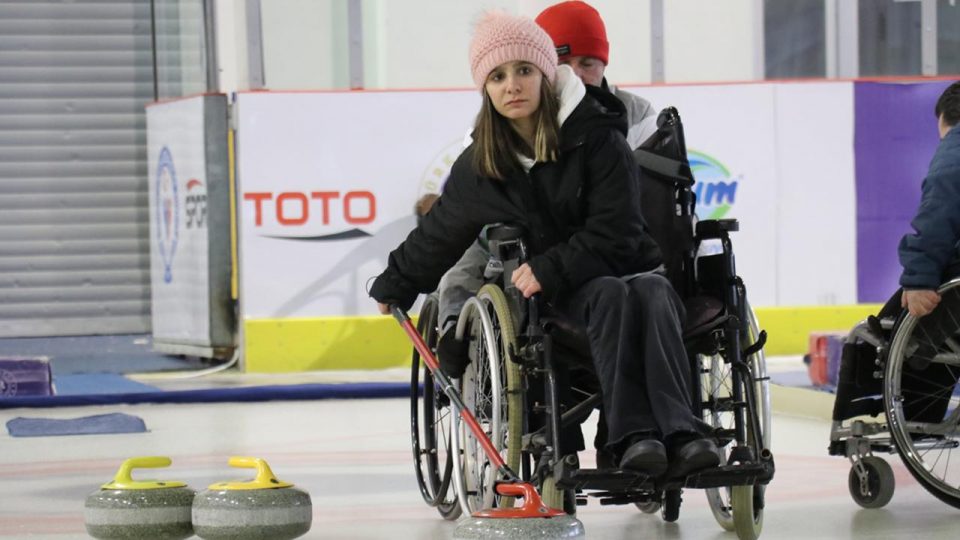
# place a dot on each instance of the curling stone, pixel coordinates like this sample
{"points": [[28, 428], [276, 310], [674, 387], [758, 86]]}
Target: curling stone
{"points": [[261, 508], [531, 520], [130, 509]]}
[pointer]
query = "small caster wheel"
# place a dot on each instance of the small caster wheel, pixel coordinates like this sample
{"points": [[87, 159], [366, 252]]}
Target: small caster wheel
{"points": [[670, 511], [876, 490], [648, 507]]}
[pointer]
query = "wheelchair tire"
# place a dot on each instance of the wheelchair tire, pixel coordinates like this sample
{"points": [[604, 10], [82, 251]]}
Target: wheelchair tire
{"points": [[747, 516], [552, 496], [670, 508], [916, 354], [880, 483], [492, 389], [717, 379], [430, 425]]}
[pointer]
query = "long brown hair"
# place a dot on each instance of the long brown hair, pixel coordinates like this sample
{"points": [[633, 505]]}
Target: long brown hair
{"points": [[496, 143]]}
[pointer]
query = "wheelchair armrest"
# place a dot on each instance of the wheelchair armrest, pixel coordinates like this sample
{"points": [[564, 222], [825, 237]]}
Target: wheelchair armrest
{"points": [[503, 232], [716, 228]]}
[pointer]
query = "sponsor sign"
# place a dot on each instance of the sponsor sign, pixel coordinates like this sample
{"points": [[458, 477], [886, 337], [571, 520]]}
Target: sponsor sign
{"points": [[761, 154], [178, 221], [327, 185], [328, 181]]}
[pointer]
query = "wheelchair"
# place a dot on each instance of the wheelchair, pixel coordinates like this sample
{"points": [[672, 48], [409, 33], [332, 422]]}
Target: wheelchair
{"points": [[905, 368], [519, 352]]}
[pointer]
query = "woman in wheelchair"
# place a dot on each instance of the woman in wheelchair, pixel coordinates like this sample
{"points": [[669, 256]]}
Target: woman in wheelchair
{"points": [[549, 155]]}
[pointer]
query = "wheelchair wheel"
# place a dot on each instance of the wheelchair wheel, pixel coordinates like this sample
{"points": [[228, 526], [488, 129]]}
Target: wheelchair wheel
{"points": [[920, 398], [430, 425], [491, 389], [551, 495], [747, 514], [670, 508], [649, 507], [877, 491], [717, 387]]}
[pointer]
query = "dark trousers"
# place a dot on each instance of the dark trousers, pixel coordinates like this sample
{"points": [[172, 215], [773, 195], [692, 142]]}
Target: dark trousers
{"points": [[634, 328]]}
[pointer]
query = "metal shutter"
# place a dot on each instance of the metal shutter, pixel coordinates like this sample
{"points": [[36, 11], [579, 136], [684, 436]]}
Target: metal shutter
{"points": [[74, 249]]}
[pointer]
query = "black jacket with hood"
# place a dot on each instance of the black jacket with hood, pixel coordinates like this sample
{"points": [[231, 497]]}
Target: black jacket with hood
{"points": [[581, 212]]}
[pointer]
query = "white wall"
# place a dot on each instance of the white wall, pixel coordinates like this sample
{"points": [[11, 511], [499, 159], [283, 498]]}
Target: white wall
{"points": [[304, 44], [232, 45], [424, 43], [709, 40]]}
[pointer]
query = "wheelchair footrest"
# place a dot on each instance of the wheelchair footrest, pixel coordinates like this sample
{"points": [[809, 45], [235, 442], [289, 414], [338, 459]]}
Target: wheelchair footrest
{"points": [[607, 480], [745, 474]]}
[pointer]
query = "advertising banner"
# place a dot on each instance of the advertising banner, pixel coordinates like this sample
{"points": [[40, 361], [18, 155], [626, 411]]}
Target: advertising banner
{"points": [[777, 157], [189, 226], [328, 184]]}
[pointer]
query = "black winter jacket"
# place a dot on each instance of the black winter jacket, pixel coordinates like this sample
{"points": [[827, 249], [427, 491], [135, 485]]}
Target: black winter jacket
{"points": [[581, 212]]}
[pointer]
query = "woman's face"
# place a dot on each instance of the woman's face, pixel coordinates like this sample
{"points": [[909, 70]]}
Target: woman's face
{"points": [[514, 89]]}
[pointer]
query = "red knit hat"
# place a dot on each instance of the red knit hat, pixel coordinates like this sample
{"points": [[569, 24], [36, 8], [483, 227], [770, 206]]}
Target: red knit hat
{"points": [[576, 29], [500, 37]]}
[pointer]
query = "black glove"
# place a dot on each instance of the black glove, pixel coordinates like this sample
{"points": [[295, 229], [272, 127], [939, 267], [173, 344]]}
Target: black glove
{"points": [[454, 355]]}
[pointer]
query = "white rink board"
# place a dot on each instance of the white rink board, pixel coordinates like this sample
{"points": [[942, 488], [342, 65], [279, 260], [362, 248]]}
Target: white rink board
{"points": [[794, 186], [179, 261], [790, 145]]}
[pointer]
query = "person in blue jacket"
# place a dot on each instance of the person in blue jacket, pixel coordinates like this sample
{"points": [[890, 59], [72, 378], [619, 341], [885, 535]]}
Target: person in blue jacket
{"points": [[931, 254]]}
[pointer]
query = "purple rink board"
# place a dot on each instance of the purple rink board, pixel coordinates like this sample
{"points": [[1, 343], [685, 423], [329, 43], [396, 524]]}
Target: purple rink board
{"points": [[895, 135]]}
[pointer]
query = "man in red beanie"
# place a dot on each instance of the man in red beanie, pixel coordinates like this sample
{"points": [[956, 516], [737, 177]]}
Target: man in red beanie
{"points": [[580, 37]]}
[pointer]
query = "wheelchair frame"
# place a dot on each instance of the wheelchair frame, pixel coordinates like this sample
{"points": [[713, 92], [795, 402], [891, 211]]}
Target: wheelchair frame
{"points": [[896, 342]]}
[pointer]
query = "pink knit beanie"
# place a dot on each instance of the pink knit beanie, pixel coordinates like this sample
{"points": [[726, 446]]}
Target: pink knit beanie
{"points": [[500, 38]]}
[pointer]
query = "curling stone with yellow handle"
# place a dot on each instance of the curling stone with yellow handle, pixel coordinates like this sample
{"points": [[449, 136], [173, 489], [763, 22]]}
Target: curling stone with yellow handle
{"points": [[264, 508], [133, 509]]}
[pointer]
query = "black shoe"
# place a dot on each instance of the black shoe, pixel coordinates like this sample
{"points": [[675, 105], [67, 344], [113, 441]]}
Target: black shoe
{"points": [[693, 456], [648, 456], [453, 354], [606, 459]]}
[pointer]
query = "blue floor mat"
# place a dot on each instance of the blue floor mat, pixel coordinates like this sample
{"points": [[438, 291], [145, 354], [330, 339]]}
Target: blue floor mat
{"points": [[97, 383], [127, 353], [87, 425]]}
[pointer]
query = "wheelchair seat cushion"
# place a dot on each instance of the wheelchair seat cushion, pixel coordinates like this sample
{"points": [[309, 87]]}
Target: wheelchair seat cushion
{"points": [[704, 313], [569, 334]]}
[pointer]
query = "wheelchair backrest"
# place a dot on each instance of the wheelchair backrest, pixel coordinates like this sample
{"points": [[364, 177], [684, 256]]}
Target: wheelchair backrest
{"points": [[667, 199]]}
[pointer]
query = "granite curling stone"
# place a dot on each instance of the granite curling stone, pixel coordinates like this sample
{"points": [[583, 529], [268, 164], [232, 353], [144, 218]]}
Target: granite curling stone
{"points": [[264, 508], [554, 528], [532, 519], [133, 509]]}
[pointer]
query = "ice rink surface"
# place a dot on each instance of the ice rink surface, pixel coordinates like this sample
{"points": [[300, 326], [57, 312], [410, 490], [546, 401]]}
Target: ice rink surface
{"points": [[353, 456]]}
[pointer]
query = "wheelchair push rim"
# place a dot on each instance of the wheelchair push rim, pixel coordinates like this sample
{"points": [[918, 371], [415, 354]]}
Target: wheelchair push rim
{"points": [[431, 424], [486, 386]]}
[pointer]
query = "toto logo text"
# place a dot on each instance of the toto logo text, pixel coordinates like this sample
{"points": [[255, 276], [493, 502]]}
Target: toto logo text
{"points": [[310, 210]]}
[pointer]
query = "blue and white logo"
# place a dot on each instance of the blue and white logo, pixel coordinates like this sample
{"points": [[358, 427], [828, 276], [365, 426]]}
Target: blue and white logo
{"points": [[716, 188], [168, 212]]}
